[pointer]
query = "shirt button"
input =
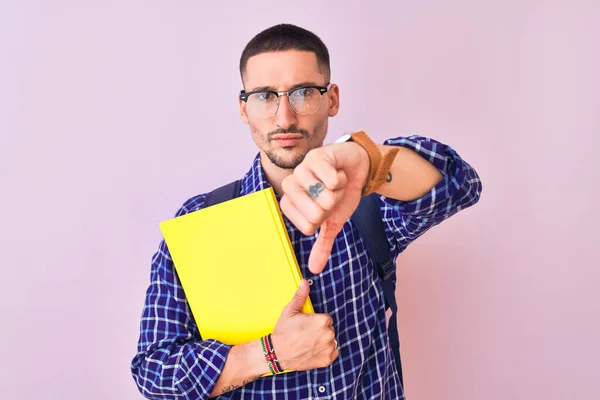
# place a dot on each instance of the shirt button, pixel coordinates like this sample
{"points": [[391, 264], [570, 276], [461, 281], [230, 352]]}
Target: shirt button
{"points": [[321, 389], [310, 282]]}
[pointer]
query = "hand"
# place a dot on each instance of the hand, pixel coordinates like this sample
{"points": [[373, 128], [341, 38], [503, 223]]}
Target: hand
{"points": [[323, 192], [303, 341]]}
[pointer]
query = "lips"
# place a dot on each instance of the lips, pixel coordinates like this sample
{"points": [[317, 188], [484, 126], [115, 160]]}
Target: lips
{"points": [[287, 139]]}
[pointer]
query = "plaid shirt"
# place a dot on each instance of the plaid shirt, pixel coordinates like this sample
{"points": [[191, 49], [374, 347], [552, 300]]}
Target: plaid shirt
{"points": [[173, 362]]}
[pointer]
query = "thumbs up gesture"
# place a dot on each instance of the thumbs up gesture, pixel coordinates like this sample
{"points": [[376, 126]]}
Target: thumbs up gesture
{"points": [[303, 341], [323, 192]]}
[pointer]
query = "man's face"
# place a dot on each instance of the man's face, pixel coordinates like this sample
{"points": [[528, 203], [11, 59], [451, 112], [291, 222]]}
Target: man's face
{"points": [[286, 137]]}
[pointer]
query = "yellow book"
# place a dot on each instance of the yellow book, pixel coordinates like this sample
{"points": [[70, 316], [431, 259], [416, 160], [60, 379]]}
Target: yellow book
{"points": [[237, 266]]}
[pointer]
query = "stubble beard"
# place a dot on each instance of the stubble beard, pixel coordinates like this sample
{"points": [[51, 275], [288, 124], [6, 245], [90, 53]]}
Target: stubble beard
{"points": [[284, 162], [281, 160]]}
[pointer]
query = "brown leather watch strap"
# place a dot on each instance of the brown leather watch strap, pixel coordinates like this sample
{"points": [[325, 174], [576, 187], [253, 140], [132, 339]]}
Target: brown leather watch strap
{"points": [[379, 164]]}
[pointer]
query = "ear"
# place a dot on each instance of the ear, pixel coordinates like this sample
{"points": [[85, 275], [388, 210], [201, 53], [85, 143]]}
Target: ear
{"points": [[334, 100], [243, 111]]}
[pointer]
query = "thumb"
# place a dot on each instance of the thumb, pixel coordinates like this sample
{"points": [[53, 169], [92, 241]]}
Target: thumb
{"points": [[297, 302], [322, 248]]}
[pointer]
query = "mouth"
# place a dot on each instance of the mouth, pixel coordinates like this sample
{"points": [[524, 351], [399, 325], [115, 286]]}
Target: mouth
{"points": [[287, 139]]}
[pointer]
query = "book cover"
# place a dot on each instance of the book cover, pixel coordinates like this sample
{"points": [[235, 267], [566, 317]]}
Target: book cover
{"points": [[237, 266]]}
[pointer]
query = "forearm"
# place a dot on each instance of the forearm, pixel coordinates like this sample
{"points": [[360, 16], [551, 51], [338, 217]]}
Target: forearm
{"points": [[456, 188], [245, 363], [410, 177], [178, 368], [173, 362]]}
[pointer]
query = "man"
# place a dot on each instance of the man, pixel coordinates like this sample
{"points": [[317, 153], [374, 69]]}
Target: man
{"points": [[341, 351]]}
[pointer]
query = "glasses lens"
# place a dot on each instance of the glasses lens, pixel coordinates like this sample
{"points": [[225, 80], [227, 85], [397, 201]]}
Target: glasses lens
{"points": [[305, 101], [262, 105]]}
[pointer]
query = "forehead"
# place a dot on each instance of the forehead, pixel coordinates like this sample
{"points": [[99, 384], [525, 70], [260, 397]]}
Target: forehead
{"points": [[282, 70]]}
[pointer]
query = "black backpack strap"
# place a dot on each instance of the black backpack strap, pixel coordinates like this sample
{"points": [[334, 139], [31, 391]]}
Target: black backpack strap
{"points": [[223, 194], [367, 218]]}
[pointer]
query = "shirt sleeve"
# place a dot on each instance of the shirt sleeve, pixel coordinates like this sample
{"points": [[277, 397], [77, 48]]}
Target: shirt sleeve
{"points": [[459, 188], [172, 361]]}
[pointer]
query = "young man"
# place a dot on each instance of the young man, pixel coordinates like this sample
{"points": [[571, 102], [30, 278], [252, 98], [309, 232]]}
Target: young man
{"points": [[342, 351]]}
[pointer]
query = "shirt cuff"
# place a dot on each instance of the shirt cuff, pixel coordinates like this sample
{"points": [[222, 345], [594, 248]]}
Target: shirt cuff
{"points": [[450, 165], [201, 366]]}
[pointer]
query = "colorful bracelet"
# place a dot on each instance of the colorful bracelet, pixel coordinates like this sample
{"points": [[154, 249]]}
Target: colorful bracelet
{"points": [[269, 352]]}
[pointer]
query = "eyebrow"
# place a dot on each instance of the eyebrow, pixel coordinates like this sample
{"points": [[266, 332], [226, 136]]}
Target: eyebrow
{"points": [[307, 83]]}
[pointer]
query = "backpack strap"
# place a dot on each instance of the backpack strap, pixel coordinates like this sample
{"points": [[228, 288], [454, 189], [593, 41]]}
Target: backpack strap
{"points": [[223, 193], [367, 219]]}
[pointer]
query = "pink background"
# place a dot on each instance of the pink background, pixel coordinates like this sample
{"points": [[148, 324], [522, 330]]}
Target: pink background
{"points": [[112, 113]]}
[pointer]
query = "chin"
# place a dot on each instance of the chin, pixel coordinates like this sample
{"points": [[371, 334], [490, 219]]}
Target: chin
{"points": [[287, 158]]}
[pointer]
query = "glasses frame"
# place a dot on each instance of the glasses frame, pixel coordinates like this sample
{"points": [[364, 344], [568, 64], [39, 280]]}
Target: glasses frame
{"points": [[322, 90]]}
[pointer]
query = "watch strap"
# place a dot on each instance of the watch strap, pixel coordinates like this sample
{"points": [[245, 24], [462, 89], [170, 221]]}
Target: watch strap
{"points": [[379, 164]]}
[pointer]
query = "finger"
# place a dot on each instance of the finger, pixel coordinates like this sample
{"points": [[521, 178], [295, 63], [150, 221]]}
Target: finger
{"points": [[334, 354], [327, 320], [322, 169], [297, 302], [317, 191], [296, 217], [307, 206], [322, 248]]}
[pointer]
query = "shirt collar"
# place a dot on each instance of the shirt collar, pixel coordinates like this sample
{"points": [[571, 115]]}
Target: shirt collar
{"points": [[255, 179]]}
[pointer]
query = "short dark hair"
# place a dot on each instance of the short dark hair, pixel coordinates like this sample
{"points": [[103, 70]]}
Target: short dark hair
{"points": [[285, 37]]}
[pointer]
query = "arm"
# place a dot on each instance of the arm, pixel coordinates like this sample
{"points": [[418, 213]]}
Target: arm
{"points": [[429, 183], [410, 177], [172, 361], [245, 363]]}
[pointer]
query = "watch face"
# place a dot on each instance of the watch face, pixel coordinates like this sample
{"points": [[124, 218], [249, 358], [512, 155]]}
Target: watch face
{"points": [[344, 138]]}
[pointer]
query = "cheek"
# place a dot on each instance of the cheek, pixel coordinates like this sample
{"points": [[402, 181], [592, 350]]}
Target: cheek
{"points": [[320, 129], [257, 133]]}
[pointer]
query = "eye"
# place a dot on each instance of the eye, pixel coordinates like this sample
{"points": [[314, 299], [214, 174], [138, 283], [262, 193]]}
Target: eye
{"points": [[304, 93], [264, 96]]}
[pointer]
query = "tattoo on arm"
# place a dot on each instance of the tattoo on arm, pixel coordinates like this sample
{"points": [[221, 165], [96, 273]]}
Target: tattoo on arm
{"points": [[250, 380], [231, 387], [389, 177], [315, 190]]}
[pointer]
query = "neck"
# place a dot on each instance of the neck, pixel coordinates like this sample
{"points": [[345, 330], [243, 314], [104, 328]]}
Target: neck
{"points": [[274, 174]]}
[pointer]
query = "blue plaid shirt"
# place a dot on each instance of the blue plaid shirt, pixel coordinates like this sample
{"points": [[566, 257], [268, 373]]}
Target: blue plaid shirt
{"points": [[173, 362]]}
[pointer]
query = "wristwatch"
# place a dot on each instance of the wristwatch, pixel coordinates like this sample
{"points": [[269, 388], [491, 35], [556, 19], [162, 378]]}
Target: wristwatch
{"points": [[379, 164]]}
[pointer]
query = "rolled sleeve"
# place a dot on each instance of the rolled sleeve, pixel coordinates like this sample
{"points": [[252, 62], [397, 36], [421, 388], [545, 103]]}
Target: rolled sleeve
{"points": [[459, 189], [172, 361]]}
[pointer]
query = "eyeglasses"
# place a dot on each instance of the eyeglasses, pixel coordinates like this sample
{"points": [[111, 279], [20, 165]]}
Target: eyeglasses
{"points": [[304, 100]]}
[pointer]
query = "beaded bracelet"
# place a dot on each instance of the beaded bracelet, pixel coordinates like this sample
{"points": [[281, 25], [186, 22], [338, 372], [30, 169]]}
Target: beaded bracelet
{"points": [[269, 353]]}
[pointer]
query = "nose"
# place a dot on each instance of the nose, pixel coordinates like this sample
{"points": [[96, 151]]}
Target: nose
{"points": [[285, 117]]}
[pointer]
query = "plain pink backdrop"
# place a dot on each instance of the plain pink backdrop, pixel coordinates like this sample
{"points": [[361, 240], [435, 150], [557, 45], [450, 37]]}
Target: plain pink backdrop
{"points": [[112, 113]]}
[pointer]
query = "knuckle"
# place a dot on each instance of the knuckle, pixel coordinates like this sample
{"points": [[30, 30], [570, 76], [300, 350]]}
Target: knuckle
{"points": [[285, 184], [341, 178], [316, 216], [334, 355], [326, 320], [284, 203], [307, 228], [329, 336], [328, 200], [317, 321], [322, 319], [300, 169], [334, 180], [311, 154]]}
